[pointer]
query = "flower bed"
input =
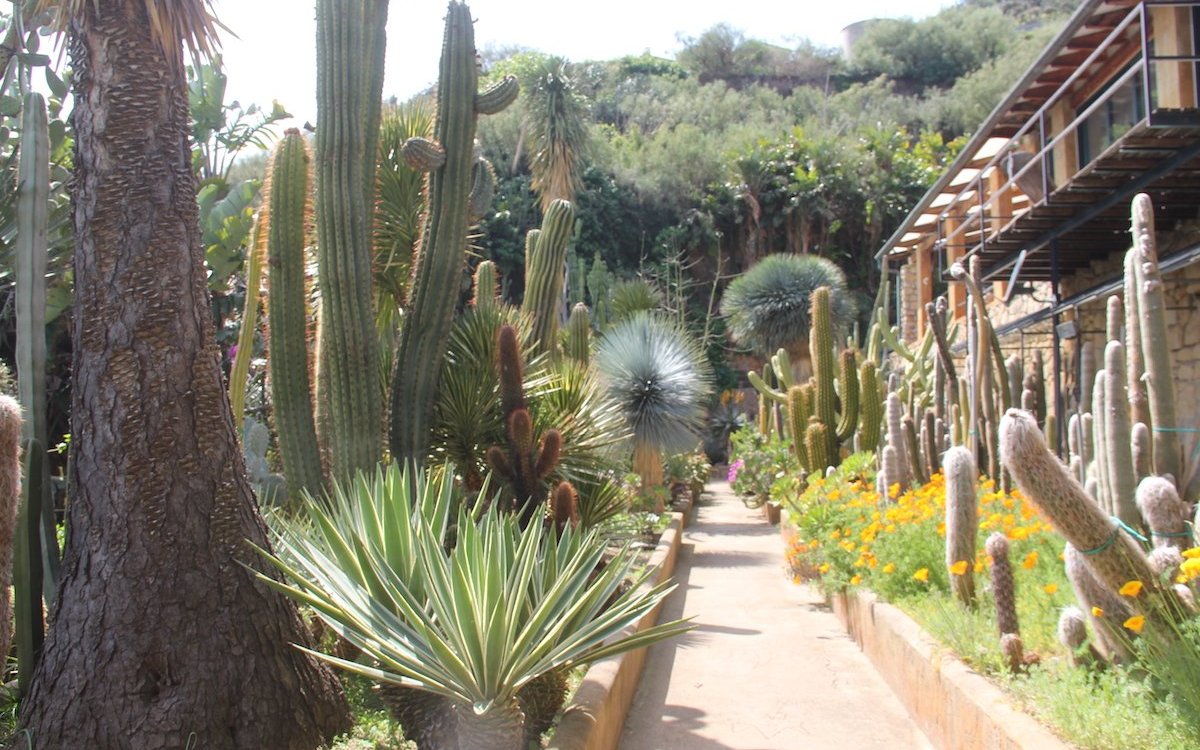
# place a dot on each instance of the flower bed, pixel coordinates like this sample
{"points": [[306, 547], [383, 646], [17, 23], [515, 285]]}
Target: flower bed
{"points": [[847, 539]]}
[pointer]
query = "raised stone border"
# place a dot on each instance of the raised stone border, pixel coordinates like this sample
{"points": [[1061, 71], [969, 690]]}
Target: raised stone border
{"points": [[596, 716], [956, 707]]}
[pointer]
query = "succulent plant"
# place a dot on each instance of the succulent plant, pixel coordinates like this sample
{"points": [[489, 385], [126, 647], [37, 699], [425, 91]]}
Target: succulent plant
{"points": [[962, 521], [544, 263], [485, 286], [1104, 607], [455, 181], [1164, 512], [1003, 588], [577, 345], [10, 499], [769, 307], [1073, 634]]}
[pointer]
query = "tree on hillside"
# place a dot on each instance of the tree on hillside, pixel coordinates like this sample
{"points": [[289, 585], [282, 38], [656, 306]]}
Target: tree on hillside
{"points": [[162, 637]]}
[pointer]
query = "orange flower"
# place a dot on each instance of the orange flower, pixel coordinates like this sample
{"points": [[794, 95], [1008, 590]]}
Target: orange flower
{"points": [[889, 568], [855, 580], [959, 568], [922, 575], [1030, 560], [1097, 612], [1050, 588], [1131, 588], [1135, 623]]}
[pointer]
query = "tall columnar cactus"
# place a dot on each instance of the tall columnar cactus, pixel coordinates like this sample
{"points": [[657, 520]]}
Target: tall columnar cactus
{"points": [[820, 344], [239, 371], [579, 331], [10, 497], [1139, 403], [962, 522], [816, 443], [1003, 586], [524, 464], [929, 442], [1141, 447], [1122, 478], [453, 172], [798, 412], [870, 407], [544, 264], [1038, 385], [895, 439], [1100, 440], [286, 211], [848, 391], [1164, 512], [485, 296], [1015, 383], [1152, 315], [891, 471], [1073, 635], [1114, 557], [350, 56], [1106, 609], [1087, 374], [912, 450]]}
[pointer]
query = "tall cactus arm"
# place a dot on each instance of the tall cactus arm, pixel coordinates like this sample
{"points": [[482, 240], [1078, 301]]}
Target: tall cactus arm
{"points": [[848, 384], [240, 370], [442, 256], [544, 274], [1152, 307], [497, 98], [350, 56]]}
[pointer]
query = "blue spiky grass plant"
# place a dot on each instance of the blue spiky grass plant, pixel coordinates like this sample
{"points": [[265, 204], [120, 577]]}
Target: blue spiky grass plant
{"points": [[767, 308], [659, 379]]}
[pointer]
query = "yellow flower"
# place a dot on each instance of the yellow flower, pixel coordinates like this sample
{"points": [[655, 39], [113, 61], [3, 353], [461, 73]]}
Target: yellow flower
{"points": [[889, 568], [1030, 560], [1192, 553], [1097, 612], [1190, 569], [855, 580], [1050, 588], [1135, 623], [1131, 588], [894, 490], [823, 568], [959, 568], [922, 575]]}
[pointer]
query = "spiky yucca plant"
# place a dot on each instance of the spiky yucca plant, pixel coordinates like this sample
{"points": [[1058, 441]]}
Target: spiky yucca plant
{"points": [[474, 625], [660, 380], [767, 308]]}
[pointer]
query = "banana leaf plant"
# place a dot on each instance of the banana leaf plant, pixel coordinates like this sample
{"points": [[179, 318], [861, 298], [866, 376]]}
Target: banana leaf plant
{"points": [[473, 624]]}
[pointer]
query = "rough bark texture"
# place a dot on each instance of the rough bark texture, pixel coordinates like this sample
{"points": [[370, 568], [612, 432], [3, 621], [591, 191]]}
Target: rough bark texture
{"points": [[161, 638]]}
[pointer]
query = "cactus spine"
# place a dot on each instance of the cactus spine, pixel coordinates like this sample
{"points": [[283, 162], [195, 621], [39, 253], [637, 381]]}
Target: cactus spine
{"points": [[1152, 316], [286, 213], [544, 264], [442, 256], [962, 521], [350, 55]]}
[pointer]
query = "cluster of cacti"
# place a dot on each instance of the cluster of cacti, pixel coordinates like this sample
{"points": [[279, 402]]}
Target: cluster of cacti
{"points": [[525, 463], [458, 183], [840, 404], [962, 523]]}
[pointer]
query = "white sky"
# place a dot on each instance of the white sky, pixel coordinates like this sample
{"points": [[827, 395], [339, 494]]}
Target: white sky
{"points": [[273, 56]]}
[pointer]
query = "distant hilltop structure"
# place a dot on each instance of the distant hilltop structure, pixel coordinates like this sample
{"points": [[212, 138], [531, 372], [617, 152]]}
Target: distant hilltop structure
{"points": [[852, 33]]}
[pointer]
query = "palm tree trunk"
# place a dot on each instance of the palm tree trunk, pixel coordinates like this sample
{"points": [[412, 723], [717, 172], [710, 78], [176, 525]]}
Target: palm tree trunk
{"points": [[161, 637]]}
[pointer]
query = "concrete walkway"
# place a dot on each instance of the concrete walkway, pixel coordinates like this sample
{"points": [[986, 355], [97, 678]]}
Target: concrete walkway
{"points": [[768, 666]]}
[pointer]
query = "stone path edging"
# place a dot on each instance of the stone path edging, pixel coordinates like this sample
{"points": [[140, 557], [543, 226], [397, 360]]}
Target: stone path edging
{"points": [[596, 716], [955, 706]]}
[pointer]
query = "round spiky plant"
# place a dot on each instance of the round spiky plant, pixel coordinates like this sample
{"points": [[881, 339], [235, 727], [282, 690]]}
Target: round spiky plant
{"points": [[767, 308], [660, 381]]}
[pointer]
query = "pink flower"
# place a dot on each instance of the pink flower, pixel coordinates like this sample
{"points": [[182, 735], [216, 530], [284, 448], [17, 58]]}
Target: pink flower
{"points": [[733, 470]]}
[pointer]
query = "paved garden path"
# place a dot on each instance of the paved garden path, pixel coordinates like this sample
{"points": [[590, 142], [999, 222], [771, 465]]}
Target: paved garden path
{"points": [[768, 666]]}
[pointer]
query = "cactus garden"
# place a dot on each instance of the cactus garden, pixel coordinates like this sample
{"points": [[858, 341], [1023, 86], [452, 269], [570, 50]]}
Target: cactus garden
{"points": [[460, 419]]}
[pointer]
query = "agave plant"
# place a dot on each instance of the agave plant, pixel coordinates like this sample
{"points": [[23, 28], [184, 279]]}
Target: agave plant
{"points": [[472, 625], [767, 308], [660, 382]]}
